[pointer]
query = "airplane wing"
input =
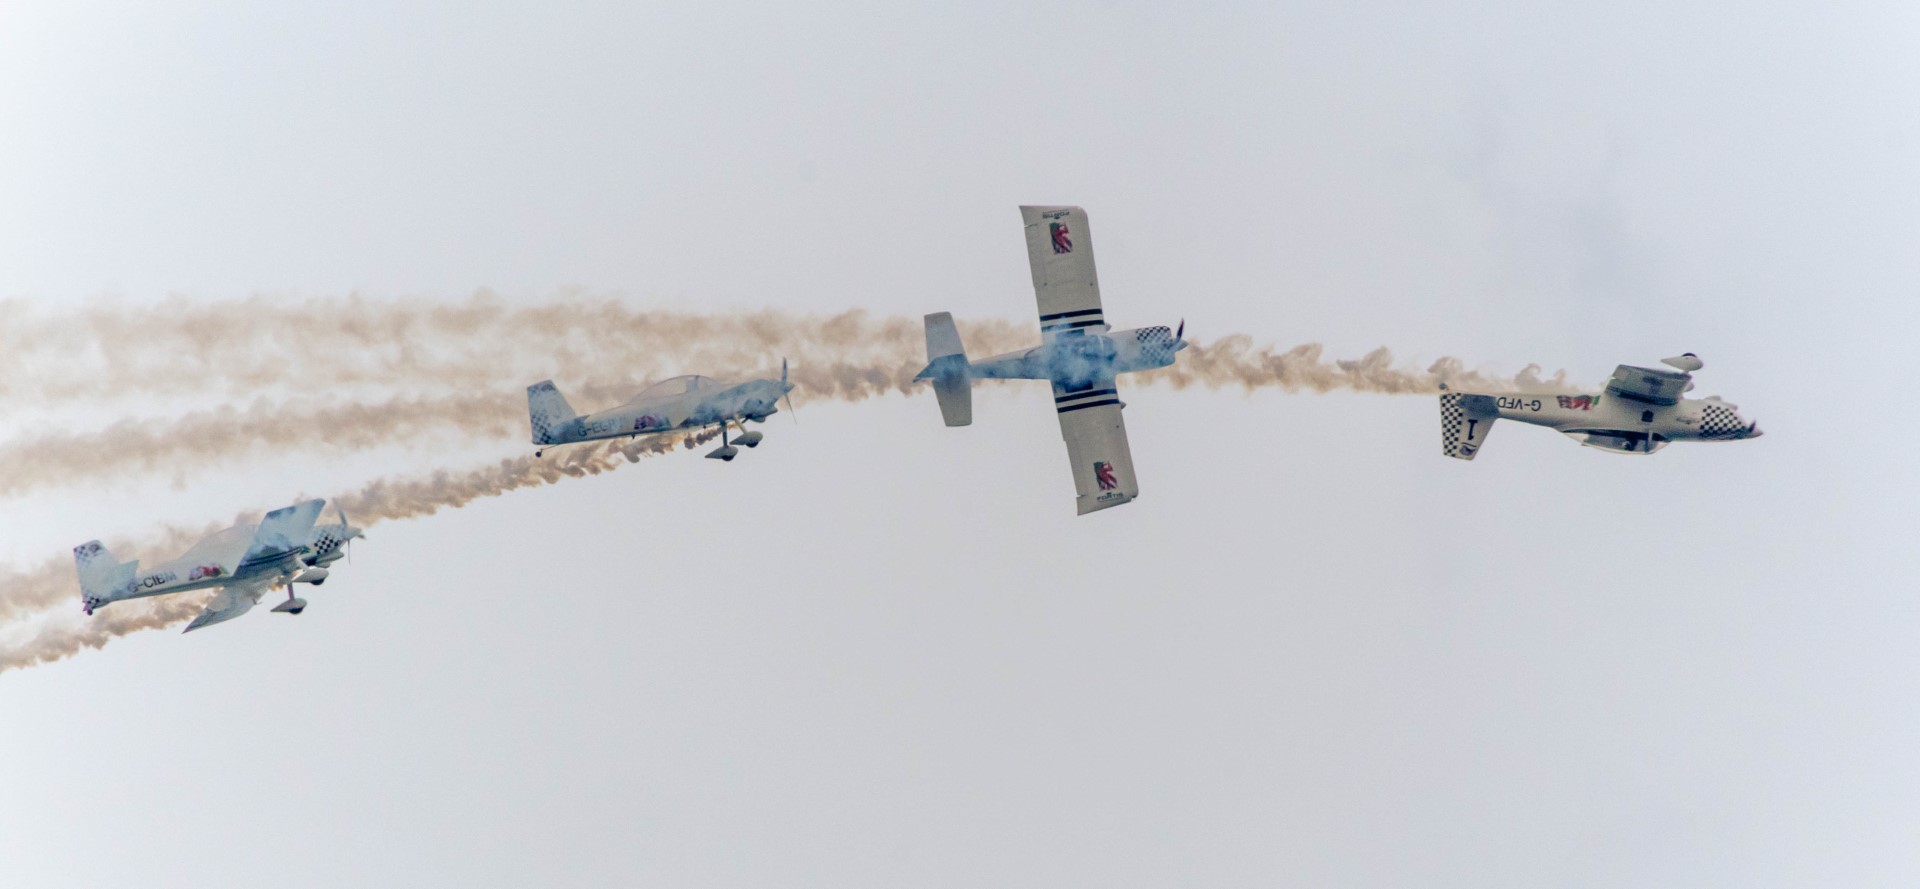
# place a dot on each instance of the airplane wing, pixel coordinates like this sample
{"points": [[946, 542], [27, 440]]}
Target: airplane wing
{"points": [[284, 530], [1060, 254], [234, 600], [1096, 438]]}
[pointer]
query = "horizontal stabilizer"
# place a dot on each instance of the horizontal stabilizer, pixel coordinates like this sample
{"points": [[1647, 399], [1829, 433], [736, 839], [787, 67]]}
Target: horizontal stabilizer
{"points": [[1464, 422], [947, 368]]}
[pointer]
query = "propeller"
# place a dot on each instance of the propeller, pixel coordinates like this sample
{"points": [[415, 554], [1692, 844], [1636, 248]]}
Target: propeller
{"points": [[1181, 334], [787, 392], [351, 531]]}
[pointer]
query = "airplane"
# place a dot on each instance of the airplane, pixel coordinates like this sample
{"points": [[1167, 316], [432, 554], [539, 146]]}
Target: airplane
{"points": [[244, 561], [680, 403], [1640, 412], [1079, 354]]}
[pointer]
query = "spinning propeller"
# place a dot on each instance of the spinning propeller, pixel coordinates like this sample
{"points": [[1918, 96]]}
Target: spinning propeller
{"points": [[787, 392]]}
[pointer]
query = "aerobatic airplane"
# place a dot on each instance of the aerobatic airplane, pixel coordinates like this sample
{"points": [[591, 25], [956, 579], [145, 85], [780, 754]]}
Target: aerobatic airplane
{"points": [[244, 561], [1640, 412], [1078, 353], [672, 405]]}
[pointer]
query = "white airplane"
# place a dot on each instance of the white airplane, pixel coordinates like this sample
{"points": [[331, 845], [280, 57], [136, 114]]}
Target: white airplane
{"points": [[1078, 353], [1640, 412], [680, 403], [244, 561]]}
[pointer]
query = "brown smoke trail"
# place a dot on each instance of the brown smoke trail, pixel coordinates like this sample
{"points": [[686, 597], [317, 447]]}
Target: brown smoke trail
{"points": [[61, 638], [381, 500], [219, 436], [244, 348], [248, 347], [1236, 361]]}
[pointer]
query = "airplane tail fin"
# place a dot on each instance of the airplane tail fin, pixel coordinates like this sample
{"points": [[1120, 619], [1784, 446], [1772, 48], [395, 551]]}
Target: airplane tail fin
{"points": [[947, 368], [1465, 420], [101, 576], [549, 413]]}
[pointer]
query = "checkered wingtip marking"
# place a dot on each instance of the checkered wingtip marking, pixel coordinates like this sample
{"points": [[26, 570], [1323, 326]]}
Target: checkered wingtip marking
{"points": [[1453, 427], [1717, 421]]}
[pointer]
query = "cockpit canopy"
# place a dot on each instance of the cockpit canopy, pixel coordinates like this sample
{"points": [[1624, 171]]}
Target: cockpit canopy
{"points": [[1649, 384], [677, 386]]}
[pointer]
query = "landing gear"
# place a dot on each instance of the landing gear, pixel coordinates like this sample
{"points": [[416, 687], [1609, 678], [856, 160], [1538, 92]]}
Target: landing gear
{"points": [[293, 605], [749, 439], [536, 454], [725, 451]]}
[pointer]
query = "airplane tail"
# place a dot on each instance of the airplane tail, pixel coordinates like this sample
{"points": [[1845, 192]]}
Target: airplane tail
{"points": [[1465, 420], [548, 413], [947, 368], [102, 578]]}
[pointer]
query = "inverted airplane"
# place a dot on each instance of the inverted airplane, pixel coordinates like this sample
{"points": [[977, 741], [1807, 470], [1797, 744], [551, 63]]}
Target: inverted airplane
{"points": [[1640, 412], [671, 405], [243, 561], [1079, 354]]}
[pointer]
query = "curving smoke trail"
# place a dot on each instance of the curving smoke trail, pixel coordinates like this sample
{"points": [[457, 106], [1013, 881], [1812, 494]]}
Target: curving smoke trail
{"points": [[486, 351], [218, 436], [45, 587]]}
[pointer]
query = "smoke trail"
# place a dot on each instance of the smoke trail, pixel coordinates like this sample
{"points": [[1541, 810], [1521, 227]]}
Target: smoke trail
{"points": [[60, 638], [221, 435], [246, 348], [182, 347], [1236, 361], [381, 500]]}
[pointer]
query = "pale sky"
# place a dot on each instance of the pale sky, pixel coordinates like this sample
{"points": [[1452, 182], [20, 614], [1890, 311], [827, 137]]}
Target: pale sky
{"points": [[879, 652]]}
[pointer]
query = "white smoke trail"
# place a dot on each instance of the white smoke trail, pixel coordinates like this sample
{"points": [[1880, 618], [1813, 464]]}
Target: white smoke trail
{"points": [[382, 500]]}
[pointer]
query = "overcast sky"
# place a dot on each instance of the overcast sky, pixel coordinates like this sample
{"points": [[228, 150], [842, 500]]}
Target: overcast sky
{"points": [[879, 652]]}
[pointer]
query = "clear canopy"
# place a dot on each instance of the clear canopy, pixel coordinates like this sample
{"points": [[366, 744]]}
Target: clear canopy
{"points": [[681, 385]]}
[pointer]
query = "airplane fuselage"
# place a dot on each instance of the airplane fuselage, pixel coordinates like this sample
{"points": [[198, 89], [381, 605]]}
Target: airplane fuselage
{"points": [[1618, 423], [753, 400], [181, 577], [1077, 359]]}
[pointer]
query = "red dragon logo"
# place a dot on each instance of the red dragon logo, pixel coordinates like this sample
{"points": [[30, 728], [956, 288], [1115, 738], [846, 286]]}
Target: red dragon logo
{"points": [[1103, 473], [1062, 237]]}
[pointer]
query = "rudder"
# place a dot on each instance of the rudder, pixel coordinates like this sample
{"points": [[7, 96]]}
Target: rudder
{"points": [[102, 578], [548, 413]]}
